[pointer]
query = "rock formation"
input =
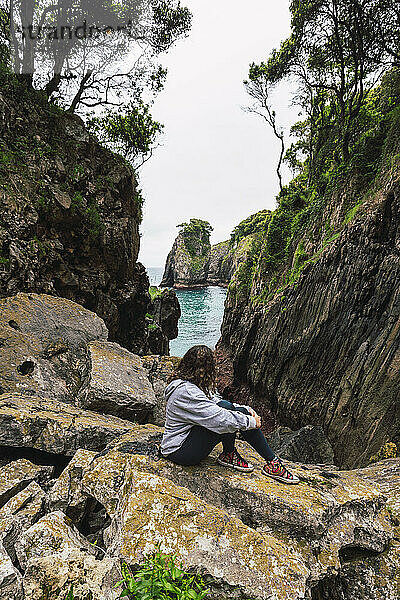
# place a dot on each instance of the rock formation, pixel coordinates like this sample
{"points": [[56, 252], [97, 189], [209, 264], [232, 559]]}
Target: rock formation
{"points": [[82, 489], [193, 262], [70, 219], [187, 263], [320, 344]]}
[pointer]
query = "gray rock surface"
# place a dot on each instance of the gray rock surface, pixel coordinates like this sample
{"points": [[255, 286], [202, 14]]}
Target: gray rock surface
{"points": [[326, 349], [55, 427], [308, 445], [43, 349], [70, 219], [52, 534], [115, 383], [91, 578], [159, 370], [10, 578]]}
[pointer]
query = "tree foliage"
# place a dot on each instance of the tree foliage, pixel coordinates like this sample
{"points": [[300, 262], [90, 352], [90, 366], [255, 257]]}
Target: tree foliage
{"points": [[337, 51], [96, 58]]}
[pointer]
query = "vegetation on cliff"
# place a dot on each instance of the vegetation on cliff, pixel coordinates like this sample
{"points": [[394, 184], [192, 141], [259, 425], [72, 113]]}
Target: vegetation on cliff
{"points": [[311, 319], [349, 93], [86, 73]]}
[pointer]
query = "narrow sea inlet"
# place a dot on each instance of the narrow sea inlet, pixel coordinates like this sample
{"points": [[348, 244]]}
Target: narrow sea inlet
{"points": [[202, 313]]}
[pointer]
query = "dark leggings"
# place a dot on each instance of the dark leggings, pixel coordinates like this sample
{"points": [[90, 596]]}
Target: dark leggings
{"points": [[201, 441]]}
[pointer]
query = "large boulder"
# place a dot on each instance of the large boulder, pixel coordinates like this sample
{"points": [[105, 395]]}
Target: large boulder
{"points": [[43, 345], [52, 534], [54, 427], [254, 538], [116, 383], [89, 577]]}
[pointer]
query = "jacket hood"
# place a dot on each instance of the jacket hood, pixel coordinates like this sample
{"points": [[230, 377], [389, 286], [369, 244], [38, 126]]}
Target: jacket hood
{"points": [[172, 387]]}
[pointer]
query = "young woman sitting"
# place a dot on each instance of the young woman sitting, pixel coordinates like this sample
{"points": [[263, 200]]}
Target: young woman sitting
{"points": [[197, 420]]}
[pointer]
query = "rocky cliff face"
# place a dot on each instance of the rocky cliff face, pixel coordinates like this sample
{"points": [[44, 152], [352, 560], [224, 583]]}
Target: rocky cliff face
{"points": [[70, 217], [187, 263], [82, 487], [321, 344]]}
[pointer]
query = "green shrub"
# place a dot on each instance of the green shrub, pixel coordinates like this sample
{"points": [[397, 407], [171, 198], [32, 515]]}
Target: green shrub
{"points": [[159, 578]]}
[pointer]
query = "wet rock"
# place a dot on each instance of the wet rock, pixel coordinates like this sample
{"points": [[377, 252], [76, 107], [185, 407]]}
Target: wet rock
{"points": [[91, 578], [43, 345], [309, 445], [116, 383], [10, 578], [54, 427], [52, 534], [159, 370]]}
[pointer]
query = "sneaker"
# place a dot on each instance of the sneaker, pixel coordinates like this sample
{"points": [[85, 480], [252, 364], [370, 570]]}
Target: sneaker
{"points": [[278, 471], [235, 461]]}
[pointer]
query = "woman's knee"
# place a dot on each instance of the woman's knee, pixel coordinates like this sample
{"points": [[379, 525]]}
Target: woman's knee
{"points": [[229, 406]]}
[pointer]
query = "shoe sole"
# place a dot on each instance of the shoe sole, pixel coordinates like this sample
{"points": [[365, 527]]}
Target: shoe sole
{"points": [[242, 469], [281, 479]]}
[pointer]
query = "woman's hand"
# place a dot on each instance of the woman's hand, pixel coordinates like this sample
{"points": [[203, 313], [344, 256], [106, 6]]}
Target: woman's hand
{"points": [[252, 412], [258, 421]]}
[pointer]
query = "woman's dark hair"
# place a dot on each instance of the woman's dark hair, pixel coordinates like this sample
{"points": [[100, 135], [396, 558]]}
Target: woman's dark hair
{"points": [[198, 366]]}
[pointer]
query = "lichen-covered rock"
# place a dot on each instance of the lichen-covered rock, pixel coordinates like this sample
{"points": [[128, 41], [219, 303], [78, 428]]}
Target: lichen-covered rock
{"points": [[308, 445], [285, 539], [66, 494], [52, 534], [90, 578], [10, 578], [43, 349], [51, 426], [116, 383], [159, 370], [15, 477], [19, 513], [147, 510]]}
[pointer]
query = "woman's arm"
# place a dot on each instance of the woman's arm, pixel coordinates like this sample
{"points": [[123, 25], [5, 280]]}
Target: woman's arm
{"points": [[192, 406]]}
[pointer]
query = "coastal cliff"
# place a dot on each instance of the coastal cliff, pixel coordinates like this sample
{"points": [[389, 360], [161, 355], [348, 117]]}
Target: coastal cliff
{"points": [[188, 262], [311, 322], [70, 218]]}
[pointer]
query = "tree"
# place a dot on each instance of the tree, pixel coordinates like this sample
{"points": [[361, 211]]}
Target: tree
{"points": [[97, 58], [336, 57], [132, 132]]}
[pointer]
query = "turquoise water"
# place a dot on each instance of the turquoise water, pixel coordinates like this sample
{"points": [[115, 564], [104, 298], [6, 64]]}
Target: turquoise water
{"points": [[202, 313]]}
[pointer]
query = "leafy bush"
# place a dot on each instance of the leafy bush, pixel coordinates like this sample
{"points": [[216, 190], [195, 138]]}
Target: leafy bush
{"points": [[159, 578]]}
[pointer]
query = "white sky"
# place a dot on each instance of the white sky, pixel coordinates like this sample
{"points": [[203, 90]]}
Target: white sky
{"points": [[216, 162]]}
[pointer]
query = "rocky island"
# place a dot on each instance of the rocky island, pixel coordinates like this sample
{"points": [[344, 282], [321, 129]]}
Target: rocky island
{"points": [[194, 262]]}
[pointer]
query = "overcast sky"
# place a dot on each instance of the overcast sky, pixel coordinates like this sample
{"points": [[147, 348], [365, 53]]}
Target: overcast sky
{"points": [[216, 162]]}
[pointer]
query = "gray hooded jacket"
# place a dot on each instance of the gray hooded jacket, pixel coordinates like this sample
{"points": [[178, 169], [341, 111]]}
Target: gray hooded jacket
{"points": [[187, 405]]}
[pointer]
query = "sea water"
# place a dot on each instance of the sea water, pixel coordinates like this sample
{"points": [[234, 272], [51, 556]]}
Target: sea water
{"points": [[202, 313]]}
